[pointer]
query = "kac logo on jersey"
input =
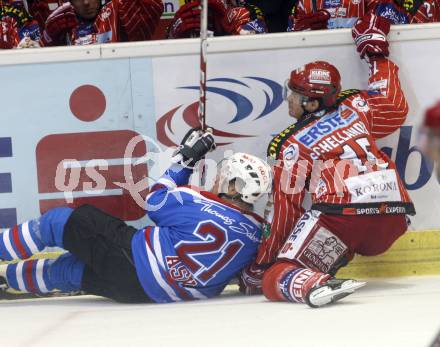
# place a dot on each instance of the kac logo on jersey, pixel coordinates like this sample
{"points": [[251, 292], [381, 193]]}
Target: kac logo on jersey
{"points": [[232, 91], [290, 155]]}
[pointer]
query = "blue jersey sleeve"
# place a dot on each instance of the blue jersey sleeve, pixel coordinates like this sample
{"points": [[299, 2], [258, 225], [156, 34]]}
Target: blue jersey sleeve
{"points": [[164, 199]]}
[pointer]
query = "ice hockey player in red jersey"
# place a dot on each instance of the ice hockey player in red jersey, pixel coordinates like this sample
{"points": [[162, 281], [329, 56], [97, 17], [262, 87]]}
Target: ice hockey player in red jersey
{"points": [[225, 17], [359, 203], [430, 135], [18, 29], [83, 22], [325, 14], [406, 11], [333, 14]]}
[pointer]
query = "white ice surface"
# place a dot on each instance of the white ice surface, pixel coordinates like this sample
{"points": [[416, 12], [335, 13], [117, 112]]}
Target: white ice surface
{"points": [[393, 312]]}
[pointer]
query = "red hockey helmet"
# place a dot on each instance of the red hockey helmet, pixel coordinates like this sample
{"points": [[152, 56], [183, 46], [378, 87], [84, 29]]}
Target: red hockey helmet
{"points": [[432, 117], [319, 79]]}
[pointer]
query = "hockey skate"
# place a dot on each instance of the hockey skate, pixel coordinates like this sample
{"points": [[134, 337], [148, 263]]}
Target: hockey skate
{"points": [[331, 291], [3, 283]]}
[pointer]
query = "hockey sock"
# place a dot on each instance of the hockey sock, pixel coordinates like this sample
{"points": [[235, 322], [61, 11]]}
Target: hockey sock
{"points": [[44, 275], [288, 282], [26, 239]]}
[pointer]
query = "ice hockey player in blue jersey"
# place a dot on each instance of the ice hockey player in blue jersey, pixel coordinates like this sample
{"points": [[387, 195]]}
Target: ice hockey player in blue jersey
{"points": [[200, 240]]}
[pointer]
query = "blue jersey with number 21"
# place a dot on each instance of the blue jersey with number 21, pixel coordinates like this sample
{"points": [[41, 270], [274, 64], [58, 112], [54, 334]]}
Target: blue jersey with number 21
{"points": [[199, 242]]}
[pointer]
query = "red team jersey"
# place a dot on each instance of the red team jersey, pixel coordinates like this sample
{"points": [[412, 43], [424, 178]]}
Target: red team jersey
{"points": [[344, 13], [334, 155], [407, 12], [117, 21]]}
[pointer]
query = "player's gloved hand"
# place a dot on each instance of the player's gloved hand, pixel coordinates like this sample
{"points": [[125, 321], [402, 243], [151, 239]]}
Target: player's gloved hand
{"points": [[195, 145], [39, 10], [240, 21], [370, 35], [251, 279], [8, 33], [313, 21], [186, 21], [59, 24]]}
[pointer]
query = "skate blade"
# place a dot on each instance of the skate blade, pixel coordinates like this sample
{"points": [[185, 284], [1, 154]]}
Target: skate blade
{"points": [[319, 297]]}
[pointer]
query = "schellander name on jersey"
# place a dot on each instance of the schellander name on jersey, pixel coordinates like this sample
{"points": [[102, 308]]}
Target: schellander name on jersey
{"points": [[338, 138]]}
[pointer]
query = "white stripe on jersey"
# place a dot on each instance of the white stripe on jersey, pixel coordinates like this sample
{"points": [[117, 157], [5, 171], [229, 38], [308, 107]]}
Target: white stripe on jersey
{"points": [[166, 182], [19, 276], [157, 275], [39, 275], [8, 245], [28, 238]]}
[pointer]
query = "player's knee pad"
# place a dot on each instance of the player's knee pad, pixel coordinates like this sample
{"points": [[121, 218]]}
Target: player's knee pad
{"points": [[314, 246]]}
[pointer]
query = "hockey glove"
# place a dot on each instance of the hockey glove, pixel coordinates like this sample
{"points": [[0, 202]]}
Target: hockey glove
{"points": [[9, 37], [240, 21], [370, 35], [312, 21], [194, 146], [39, 10], [251, 279], [186, 22], [58, 25]]}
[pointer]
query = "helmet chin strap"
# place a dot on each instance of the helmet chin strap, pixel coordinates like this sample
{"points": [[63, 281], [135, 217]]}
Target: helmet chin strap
{"points": [[320, 111], [235, 197]]}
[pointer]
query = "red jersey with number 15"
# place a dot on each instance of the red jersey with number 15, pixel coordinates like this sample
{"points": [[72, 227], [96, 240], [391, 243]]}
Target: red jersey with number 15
{"points": [[334, 156]]}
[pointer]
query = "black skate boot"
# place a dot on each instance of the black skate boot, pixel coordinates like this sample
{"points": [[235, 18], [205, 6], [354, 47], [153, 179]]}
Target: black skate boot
{"points": [[333, 290]]}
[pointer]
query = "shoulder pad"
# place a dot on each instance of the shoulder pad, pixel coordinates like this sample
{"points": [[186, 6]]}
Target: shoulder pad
{"points": [[19, 14], [274, 148], [345, 94]]}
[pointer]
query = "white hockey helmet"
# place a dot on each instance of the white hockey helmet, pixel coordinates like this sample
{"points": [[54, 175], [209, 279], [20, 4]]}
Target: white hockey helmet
{"points": [[253, 176]]}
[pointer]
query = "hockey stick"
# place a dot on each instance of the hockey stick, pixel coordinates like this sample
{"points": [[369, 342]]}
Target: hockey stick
{"points": [[203, 65], [203, 62]]}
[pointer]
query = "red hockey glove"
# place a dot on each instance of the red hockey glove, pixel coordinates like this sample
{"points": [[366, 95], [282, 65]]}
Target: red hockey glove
{"points": [[58, 25], [186, 22], [370, 35], [9, 37], [251, 279], [235, 18], [40, 11], [244, 20], [312, 21], [139, 18]]}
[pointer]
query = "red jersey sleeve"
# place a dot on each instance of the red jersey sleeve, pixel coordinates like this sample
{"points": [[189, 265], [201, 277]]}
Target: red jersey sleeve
{"points": [[385, 98], [288, 195], [139, 18]]}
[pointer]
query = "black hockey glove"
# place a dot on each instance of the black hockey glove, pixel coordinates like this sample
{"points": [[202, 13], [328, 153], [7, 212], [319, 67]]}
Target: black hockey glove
{"points": [[195, 145]]}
